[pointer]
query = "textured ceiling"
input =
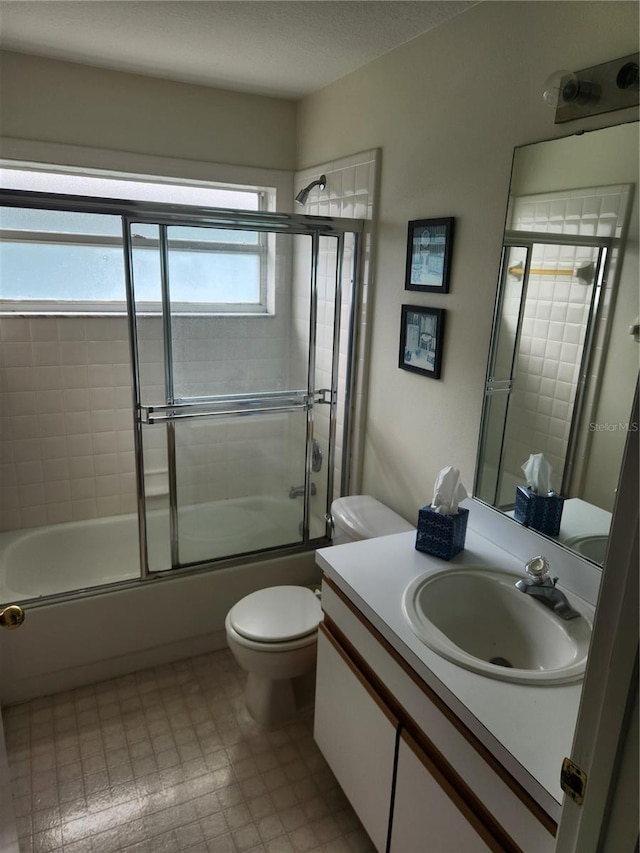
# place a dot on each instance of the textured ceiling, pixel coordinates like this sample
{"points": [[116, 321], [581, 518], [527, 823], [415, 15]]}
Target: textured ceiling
{"points": [[285, 48]]}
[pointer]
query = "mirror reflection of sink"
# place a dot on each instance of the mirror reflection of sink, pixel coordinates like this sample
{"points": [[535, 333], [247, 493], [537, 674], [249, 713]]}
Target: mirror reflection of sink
{"points": [[592, 547], [476, 618]]}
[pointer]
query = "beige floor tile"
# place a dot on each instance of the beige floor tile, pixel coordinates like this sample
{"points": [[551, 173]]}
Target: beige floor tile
{"points": [[168, 760]]}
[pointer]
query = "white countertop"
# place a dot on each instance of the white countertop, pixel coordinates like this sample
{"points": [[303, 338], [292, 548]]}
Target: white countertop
{"points": [[580, 518], [529, 729]]}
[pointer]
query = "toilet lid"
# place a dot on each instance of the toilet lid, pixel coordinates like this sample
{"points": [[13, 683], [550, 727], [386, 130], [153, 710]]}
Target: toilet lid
{"points": [[276, 614]]}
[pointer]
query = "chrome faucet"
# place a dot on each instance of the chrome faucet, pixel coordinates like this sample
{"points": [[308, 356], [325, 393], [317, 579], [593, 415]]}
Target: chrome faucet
{"points": [[542, 587], [298, 491]]}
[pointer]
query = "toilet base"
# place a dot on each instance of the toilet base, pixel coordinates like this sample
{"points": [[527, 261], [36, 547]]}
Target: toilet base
{"points": [[273, 702]]}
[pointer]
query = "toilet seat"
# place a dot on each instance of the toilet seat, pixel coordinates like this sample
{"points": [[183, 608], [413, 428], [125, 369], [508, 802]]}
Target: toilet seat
{"points": [[278, 615], [269, 649]]}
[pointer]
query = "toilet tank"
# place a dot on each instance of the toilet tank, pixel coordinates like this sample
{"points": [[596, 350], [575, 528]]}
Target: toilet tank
{"points": [[358, 517]]}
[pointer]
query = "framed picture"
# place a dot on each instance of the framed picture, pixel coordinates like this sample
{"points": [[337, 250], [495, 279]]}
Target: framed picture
{"points": [[421, 336], [429, 245]]}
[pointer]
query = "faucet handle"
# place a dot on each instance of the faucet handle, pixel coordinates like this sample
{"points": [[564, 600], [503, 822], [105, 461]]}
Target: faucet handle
{"points": [[538, 568]]}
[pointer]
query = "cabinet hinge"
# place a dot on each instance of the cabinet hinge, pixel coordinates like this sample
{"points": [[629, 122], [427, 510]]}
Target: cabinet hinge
{"points": [[573, 781]]}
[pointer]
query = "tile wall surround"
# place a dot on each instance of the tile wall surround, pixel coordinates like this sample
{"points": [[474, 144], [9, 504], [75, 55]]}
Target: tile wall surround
{"points": [[351, 192], [66, 444], [232, 457], [66, 432], [554, 324], [67, 441]]}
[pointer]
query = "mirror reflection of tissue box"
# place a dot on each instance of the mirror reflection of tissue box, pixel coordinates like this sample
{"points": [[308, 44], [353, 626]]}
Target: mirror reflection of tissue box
{"points": [[539, 512], [441, 535]]}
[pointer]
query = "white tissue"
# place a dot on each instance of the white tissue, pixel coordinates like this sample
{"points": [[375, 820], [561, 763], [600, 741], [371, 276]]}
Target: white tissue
{"points": [[538, 473], [448, 491]]}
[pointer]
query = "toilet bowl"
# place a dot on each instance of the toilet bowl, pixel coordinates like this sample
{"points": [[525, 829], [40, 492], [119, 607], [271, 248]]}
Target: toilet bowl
{"points": [[273, 633]]}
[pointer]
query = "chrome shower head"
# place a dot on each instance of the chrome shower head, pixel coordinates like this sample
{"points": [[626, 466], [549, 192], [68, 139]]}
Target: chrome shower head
{"points": [[586, 273], [302, 196]]}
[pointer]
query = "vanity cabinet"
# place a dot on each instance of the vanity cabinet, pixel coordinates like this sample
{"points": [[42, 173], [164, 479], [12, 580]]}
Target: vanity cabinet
{"points": [[425, 814], [419, 781], [356, 733]]}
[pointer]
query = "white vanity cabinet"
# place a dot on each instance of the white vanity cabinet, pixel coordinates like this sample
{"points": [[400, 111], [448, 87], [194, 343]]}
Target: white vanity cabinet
{"points": [[357, 735], [419, 781], [425, 815]]}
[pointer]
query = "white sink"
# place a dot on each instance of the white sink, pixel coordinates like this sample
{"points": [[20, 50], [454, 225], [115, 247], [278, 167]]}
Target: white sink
{"points": [[476, 618], [591, 546]]}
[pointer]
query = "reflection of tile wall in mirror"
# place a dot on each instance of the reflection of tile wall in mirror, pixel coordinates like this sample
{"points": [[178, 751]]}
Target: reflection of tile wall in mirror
{"points": [[561, 189], [554, 323]]}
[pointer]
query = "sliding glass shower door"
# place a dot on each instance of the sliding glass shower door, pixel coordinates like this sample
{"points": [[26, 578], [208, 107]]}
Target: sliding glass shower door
{"points": [[542, 358], [236, 385]]}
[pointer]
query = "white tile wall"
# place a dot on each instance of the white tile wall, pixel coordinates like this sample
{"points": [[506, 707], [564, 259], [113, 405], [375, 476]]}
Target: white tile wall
{"points": [[235, 457], [350, 189], [66, 429], [66, 442], [588, 212], [351, 192]]}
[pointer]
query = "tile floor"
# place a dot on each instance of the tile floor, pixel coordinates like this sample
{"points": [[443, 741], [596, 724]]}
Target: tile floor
{"points": [[169, 761]]}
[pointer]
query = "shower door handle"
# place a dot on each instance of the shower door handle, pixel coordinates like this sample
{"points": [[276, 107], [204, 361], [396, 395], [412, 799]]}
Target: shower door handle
{"points": [[11, 617], [258, 404]]}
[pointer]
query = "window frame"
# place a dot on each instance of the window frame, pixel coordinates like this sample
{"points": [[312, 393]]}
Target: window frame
{"points": [[122, 209]]}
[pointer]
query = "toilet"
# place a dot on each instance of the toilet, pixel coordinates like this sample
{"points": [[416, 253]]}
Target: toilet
{"points": [[362, 517], [273, 632]]}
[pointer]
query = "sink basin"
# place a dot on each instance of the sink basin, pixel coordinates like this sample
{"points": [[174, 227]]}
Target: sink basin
{"points": [[593, 547], [476, 618]]}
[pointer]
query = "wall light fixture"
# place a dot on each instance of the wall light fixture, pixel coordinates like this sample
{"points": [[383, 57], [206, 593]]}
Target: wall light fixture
{"points": [[600, 89]]}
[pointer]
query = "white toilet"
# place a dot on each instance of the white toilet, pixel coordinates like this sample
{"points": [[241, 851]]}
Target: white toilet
{"points": [[272, 633], [362, 517]]}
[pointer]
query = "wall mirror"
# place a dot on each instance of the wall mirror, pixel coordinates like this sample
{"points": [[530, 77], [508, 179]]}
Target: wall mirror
{"points": [[564, 355]]}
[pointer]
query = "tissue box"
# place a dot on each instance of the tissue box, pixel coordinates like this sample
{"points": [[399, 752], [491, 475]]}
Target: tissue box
{"points": [[539, 512], [441, 535]]}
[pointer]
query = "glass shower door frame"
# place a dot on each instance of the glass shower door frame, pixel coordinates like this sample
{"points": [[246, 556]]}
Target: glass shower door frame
{"points": [[500, 386], [527, 240], [174, 409]]}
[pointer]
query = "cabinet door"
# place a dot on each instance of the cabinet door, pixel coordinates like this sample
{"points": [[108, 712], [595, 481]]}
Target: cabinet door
{"points": [[357, 735], [425, 817]]}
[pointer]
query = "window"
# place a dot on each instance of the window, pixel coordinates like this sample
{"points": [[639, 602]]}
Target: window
{"points": [[61, 261]]}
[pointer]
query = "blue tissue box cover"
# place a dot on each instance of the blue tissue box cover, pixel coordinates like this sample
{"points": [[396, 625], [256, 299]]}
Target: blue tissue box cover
{"points": [[539, 512], [441, 535]]}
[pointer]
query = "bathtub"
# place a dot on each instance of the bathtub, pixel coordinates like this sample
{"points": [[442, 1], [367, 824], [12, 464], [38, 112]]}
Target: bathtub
{"points": [[79, 640], [76, 555]]}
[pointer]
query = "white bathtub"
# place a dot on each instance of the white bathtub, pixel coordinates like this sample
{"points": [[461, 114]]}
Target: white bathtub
{"points": [[43, 561], [76, 641]]}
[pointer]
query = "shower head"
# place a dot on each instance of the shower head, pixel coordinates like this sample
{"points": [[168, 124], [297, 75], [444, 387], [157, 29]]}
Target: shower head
{"points": [[586, 273], [302, 196]]}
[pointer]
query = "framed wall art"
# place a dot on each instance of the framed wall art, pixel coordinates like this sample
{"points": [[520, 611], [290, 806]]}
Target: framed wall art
{"points": [[421, 338], [429, 247]]}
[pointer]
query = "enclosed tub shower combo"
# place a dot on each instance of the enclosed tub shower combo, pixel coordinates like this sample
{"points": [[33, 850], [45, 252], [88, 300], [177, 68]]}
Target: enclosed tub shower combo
{"points": [[185, 438]]}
